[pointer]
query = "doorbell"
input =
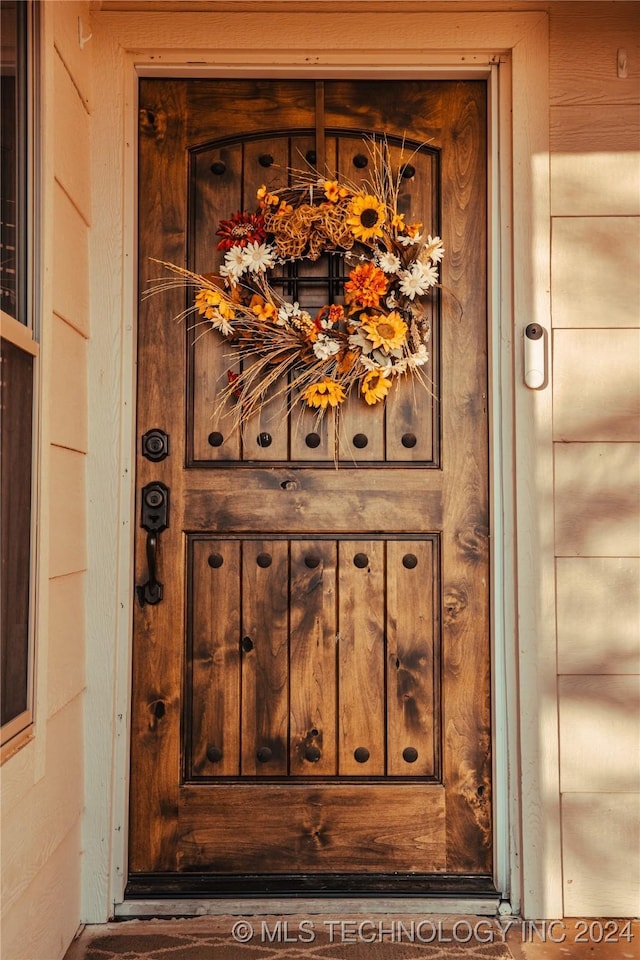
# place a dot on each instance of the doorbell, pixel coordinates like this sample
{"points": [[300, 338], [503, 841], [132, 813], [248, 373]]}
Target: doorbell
{"points": [[534, 356]]}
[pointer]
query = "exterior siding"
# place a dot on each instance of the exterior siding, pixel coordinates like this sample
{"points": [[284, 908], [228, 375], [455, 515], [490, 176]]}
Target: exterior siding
{"points": [[42, 784], [595, 230]]}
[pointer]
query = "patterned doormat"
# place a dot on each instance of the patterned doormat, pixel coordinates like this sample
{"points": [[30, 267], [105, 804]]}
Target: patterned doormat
{"points": [[295, 938]]}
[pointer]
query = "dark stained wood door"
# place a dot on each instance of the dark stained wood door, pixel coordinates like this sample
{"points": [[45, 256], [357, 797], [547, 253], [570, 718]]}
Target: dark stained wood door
{"points": [[311, 697]]}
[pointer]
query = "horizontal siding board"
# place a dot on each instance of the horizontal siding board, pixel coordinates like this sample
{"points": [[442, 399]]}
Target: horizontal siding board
{"points": [[68, 20], [598, 615], [68, 387], [597, 496], [45, 918], [19, 773], [70, 264], [68, 549], [595, 128], [32, 832], [66, 653], [595, 160], [596, 385], [583, 47], [595, 184], [599, 734], [71, 142], [584, 251], [601, 872]]}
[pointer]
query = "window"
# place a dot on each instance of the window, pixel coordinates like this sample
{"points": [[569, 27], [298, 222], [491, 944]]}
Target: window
{"points": [[18, 360]]}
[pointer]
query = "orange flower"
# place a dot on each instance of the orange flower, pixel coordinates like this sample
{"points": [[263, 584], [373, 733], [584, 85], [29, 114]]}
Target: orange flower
{"points": [[263, 310], [333, 191], [213, 304], [347, 361], [266, 198], [329, 316], [367, 284]]}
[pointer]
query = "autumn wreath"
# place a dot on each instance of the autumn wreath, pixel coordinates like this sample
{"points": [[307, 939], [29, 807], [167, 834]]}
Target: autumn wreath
{"points": [[360, 346]]}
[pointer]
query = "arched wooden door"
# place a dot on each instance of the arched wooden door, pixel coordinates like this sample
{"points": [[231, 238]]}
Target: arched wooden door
{"points": [[311, 696]]}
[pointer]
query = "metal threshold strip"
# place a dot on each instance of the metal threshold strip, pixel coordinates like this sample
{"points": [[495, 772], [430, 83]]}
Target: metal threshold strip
{"points": [[481, 906], [198, 895]]}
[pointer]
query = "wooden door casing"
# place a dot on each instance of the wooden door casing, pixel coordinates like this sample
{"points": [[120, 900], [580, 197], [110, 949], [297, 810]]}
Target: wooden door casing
{"points": [[273, 644]]}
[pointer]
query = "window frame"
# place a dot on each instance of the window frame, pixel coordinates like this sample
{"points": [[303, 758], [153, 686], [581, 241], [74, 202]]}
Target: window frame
{"points": [[22, 331]]}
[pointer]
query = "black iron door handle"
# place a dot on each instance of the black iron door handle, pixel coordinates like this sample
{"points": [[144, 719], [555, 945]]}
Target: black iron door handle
{"points": [[154, 519]]}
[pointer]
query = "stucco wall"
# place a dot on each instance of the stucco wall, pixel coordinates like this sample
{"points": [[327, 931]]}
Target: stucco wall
{"points": [[595, 288], [42, 784]]}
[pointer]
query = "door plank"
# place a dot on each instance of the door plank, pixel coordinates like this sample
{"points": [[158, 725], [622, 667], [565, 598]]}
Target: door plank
{"points": [[292, 500], [214, 195], [215, 658], [361, 658], [412, 690], [157, 666], [313, 632], [466, 655], [265, 668], [343, 828]]}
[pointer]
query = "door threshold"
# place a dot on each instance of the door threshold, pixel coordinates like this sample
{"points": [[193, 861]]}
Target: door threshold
{"points": [[481, 905]]}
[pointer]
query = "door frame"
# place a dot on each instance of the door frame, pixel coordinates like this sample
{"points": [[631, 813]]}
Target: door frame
{"points": [[511, 51]]}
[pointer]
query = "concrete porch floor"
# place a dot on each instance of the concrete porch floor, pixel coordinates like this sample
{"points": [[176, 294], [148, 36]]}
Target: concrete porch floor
{"points": [[348, 937]]}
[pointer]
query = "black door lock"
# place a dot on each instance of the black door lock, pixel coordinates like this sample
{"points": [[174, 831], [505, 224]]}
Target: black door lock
{"points": [[155, 445], [154, 519]]}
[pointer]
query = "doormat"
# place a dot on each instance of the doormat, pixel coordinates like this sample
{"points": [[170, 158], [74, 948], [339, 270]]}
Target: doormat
{"points": [[295, 938]]}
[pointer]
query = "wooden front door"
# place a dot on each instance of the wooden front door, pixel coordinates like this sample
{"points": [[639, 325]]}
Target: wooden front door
{"points": [[311, 694]]}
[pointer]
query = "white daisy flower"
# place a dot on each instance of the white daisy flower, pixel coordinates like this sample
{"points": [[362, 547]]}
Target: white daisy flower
{"points": [[258, 257], [324, 347], [419, 358], [433, 249], [222, 324], [234, 265], [388, 262], [418, 279], [408, 241], [412, 282], [399, 367], [429, 273], [368, 363]]}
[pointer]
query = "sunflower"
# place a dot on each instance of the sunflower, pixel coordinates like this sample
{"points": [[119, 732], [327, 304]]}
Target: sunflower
{"points": [[385, 331], [366, 285], [325, 394], [241, 229], [375, 386], [366, 216]]}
